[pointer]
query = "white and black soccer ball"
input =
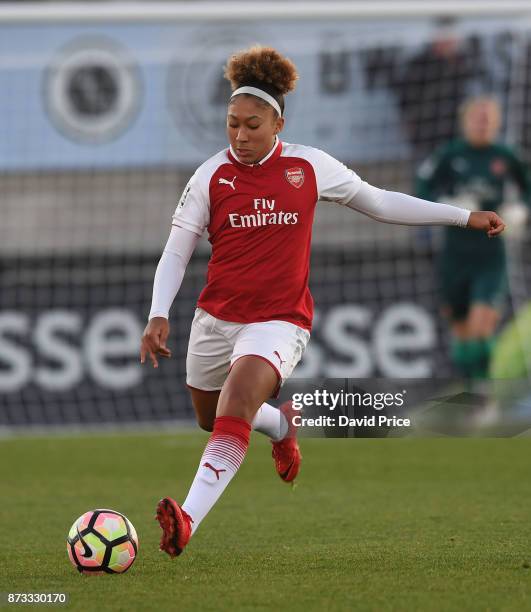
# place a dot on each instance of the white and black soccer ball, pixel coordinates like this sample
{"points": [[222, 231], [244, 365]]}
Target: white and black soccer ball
{"points": [[102, 542]]}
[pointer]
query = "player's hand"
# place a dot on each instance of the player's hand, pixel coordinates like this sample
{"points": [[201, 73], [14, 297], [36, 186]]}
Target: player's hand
{"points": [[486, 221], [154, 340]]}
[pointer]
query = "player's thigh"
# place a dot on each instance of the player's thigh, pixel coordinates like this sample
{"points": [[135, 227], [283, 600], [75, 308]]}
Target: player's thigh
{"points": [[205, 404], [278, 343], [251, 381], [209, 354], [264, 356]]}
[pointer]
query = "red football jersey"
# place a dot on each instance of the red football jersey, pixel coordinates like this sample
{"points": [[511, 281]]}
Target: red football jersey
{"points": [[259, 219]]}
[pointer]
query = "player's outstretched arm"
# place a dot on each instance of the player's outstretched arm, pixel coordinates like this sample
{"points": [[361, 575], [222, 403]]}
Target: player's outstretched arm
{"points": [[486, 221], [168, 279], [400, 208]]}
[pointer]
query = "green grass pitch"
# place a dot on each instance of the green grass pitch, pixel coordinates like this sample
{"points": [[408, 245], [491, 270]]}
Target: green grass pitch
{"points": [[403, 524]]}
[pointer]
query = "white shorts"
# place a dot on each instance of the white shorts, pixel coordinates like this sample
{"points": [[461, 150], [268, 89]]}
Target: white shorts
{"points": [[215, 345]]}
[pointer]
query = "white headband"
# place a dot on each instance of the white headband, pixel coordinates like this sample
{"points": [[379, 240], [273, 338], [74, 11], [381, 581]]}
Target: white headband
{"points": [[259, 93]]}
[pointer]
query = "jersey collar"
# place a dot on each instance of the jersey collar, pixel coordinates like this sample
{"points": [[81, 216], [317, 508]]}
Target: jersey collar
{"points": [[271, 157]]}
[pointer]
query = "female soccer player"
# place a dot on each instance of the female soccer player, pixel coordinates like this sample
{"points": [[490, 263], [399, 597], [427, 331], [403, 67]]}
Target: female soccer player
{"points": [[473, 171], [257, 199]]}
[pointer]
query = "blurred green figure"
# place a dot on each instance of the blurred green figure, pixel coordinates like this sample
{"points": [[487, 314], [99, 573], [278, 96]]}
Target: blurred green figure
{"points": [[473, 171]]}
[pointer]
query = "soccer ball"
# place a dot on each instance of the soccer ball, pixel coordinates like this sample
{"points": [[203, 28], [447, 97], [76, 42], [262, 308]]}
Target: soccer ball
{"points": [[102, 542]]}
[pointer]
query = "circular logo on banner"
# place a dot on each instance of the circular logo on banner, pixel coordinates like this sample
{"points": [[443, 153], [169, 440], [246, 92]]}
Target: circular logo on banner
{"points": [[197, 91], [92, 90]]}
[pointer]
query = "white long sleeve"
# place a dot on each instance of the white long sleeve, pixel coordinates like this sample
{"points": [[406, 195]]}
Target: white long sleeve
{"points": [[399, 208], [170, 271]]}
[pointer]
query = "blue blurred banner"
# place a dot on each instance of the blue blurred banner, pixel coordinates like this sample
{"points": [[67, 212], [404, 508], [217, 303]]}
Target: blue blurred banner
{"points": [[123, 95]]}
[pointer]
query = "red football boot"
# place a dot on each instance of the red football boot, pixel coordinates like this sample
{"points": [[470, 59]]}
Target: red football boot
{"points": [[176, 526], [286, 452]]}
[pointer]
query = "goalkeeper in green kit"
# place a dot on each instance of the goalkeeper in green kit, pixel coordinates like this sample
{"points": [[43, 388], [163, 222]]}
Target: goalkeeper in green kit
{"points": [[474, 172]]}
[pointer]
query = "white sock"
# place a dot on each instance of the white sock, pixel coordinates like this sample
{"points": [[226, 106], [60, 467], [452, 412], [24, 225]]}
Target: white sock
{"points": [[271, 422], [221, 459]]}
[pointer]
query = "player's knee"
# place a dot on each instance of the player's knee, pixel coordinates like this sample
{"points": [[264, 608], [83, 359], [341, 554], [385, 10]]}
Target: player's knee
{"points": [[240, 399], [205, 424]]}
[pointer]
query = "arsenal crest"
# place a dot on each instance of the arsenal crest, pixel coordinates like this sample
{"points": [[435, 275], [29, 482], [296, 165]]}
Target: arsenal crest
{"points": [[295, 177]]}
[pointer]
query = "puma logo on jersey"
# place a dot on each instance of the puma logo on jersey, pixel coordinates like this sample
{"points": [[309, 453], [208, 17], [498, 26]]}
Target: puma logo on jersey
{"points": [[223, 181]]}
